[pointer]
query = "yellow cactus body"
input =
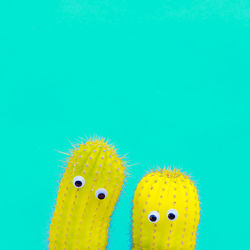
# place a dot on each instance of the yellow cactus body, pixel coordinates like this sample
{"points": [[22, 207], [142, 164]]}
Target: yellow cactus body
{"points": [[166, 211], [88, 192]]}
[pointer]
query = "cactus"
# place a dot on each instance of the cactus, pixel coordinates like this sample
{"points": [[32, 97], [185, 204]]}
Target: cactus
{"points": [[166, 211], [88, 192]]}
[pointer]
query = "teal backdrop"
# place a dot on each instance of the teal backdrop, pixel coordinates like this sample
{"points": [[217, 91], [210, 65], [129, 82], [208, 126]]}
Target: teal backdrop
{"points": [[168, 82]]}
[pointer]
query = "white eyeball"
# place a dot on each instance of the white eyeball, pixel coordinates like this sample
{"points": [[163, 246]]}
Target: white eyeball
{"points": [[78, 181], [153, 216], [101, 193], [172, 214]]}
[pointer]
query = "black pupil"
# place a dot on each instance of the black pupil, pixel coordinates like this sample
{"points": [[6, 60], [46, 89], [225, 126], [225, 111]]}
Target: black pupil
{"points": [[101, 196], [152, 217], [171, 216], [78, 183]]}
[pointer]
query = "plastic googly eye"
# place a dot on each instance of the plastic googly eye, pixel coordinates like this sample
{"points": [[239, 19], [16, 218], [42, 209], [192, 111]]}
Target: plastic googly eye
{"points": [[78, 181], [172, 214], [101, 193], [153, 216]]}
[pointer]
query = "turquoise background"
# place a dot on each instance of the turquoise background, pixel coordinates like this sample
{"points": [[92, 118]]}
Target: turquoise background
{"points": [[166, 81]]}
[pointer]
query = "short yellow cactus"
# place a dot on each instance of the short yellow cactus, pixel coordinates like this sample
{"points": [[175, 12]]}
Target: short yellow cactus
{"points": [[166, 211], [88, 192]]}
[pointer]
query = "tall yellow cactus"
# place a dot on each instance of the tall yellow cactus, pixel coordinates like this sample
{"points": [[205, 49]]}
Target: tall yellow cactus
{"points": [[88, 192], [166, 212]]}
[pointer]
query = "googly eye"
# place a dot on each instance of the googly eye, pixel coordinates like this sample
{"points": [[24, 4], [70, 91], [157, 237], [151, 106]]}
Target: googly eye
{"points": [[172, 214], [153, 216], [101, 193], [78, 181]]}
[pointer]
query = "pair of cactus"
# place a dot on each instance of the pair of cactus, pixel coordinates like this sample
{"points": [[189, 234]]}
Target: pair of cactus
{"points": [[166, 208]]}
